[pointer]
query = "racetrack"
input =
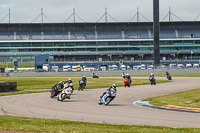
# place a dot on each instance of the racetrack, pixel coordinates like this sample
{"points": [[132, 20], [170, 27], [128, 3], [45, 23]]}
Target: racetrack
{"points": [[83, 106]]}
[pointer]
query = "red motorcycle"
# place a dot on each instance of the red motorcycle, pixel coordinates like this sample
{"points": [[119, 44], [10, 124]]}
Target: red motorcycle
{"points": [[126, 82]]}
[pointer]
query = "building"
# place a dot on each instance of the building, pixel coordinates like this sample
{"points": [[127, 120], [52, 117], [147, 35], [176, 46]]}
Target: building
{"points": [[74, 42]]}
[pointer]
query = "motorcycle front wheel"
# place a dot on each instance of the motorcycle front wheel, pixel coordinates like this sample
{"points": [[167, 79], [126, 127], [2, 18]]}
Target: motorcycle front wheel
{"points": [[63, 96], [100, 102], [53, 93]]}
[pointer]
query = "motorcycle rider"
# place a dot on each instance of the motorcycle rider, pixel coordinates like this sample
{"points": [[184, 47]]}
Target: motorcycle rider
{"points": [[129, 78], [168, 76], [69, 92], [57, 88], [81, 81], [151, 76], [167, 73], [61, 85], [70, 83], [113, 87], [94, 74], [84, 79]]}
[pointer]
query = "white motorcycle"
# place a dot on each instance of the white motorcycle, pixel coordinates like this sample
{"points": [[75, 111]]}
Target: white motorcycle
{"points": [[66, 93], [107, 97]]}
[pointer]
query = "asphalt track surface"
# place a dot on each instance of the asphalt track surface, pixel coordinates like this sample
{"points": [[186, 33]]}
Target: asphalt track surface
{"points": [[83, 106]]}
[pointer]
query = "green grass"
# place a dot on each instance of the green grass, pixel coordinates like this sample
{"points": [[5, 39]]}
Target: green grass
{"points": [[24, 83], [186, 99], [20, 64], [62, 126], [20, 92]]}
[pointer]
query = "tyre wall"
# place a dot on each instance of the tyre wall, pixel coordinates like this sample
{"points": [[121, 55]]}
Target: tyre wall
{"points": [[9, 86]]}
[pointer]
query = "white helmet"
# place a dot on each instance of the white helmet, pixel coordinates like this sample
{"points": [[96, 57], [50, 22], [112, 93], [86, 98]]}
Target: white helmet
{"points": [[70, 79], [114, 85], [151, 73], [127, 74], [60, 82]]}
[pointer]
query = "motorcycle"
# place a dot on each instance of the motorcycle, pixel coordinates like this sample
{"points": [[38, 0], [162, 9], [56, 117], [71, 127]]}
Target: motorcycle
{"points": [[56, 89], [66, 93], [169, 77], [82, 85], [126, 82], [95, 76], [152, 80], [107, 97]]}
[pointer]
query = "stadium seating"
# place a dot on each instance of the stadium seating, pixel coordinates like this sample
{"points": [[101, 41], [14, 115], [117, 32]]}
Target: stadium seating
{"points": [[189, 33], [82, 34], [99, 34], [136, 34], [167, 34], [109, 34]]}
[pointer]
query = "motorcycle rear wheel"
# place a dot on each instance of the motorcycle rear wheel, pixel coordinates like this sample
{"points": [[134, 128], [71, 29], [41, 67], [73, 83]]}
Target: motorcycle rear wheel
{"points": [[108, 100]]}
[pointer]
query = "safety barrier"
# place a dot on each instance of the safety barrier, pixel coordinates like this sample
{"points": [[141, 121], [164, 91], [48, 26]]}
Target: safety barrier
{"points": [[9, 86]]}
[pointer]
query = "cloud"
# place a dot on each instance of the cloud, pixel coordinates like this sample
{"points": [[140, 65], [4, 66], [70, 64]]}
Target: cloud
{"points": [[92, 10]]}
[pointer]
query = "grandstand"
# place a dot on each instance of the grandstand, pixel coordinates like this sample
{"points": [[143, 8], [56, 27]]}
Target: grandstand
{"points": [[108, 41]]}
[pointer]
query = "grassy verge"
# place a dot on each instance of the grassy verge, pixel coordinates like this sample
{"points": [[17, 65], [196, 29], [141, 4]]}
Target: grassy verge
{"points": [[20, 92], [47, 83], [185, 99], [61, 126], [20, 65]]}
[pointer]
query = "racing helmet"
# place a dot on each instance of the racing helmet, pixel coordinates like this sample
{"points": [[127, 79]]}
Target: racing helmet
{"points": [[114, 86], [151, 73], [83, 76], [60, 82], [71, 84], [127, 74], [70, 79]]}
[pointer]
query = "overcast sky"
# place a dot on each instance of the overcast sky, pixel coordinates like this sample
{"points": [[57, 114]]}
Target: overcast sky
{"points": [[93, 10]]}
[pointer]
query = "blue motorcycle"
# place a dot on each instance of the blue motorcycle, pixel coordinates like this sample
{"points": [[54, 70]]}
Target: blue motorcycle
{"points": [[107, 97]]}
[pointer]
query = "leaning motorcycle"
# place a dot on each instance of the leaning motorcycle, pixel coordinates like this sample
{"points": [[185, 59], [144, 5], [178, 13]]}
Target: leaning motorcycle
{"points": [[107, 97], [82, 85], [95, 76], [56, 89], [169, 77], [66, 93], [153, 81]]}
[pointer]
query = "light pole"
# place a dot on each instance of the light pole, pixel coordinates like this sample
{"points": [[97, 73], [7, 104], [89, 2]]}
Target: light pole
{"points": [[156, 32]]}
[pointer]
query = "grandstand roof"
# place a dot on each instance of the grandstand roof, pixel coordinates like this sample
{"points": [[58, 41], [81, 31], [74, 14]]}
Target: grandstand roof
{"points": [[95, 26]]}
